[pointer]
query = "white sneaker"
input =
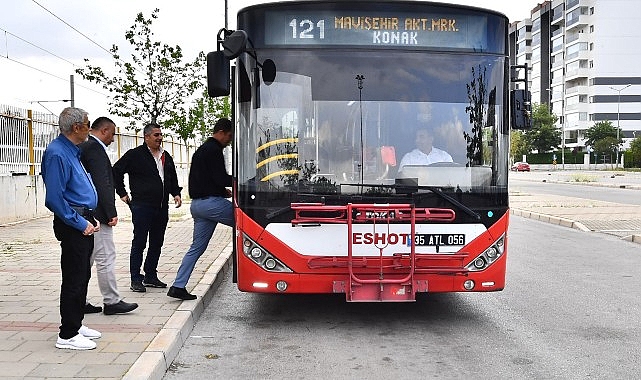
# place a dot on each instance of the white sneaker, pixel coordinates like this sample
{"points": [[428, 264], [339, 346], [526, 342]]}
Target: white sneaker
{"points": [[89, 333], [78, 342]]}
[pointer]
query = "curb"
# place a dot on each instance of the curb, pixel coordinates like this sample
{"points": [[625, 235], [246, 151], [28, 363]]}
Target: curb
{"points": [[564, 222], [154, 362], [550, 219]]}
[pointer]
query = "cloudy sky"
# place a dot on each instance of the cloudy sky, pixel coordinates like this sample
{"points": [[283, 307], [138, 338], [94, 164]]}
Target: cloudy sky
{"points": [[42, 42]]}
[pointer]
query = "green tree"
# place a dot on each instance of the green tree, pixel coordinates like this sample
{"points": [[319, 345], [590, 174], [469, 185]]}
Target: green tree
{"points": [[602, 136], [154, 82], [543, 136], [519, 145], [635, 151], [198, 120]]}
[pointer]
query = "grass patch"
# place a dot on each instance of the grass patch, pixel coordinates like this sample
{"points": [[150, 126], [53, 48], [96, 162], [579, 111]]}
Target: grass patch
{"points": [[583, 178]]}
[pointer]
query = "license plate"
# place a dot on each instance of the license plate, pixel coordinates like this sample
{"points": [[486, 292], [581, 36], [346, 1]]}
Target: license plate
{"points": [[439, 239]]}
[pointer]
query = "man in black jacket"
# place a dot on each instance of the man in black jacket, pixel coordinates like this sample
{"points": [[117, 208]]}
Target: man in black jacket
{"points": [[208, 182], [152, 177], [96, 161]]}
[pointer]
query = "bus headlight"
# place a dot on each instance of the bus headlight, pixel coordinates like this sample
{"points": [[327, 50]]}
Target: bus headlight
{"points": [[270, 263], [490, 255], [261, 257], [256, 253], [479, 263]]}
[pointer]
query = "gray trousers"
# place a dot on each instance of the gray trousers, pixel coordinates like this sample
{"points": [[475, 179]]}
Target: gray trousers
{"points": [[104, 255]]}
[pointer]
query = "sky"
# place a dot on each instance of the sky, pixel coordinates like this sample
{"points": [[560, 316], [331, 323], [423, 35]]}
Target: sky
{"points": [[42, 42]]}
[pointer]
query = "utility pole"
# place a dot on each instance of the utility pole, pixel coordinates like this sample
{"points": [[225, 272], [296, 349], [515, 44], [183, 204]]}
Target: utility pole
{"points": [[226, 15], [73, 102]]}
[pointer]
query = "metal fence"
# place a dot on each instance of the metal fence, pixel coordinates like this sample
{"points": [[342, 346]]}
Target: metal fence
{"points": [[24, 135]]}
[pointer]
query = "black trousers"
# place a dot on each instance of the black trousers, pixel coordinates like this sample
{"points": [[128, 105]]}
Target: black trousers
{"points": [[76, 271], [152, 222]]}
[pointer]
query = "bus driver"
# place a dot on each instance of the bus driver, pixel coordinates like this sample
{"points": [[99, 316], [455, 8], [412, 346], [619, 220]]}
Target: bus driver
{"points": [[425, 153]]}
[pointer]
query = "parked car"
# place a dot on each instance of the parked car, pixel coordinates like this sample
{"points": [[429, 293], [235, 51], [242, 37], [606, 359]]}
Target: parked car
{"points": [[521, 167]]}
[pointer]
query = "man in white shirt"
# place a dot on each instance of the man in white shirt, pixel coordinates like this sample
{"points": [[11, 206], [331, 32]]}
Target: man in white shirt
{"points": [[425, 153]]}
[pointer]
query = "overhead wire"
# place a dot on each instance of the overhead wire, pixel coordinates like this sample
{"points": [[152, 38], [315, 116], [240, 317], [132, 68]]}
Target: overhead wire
{"points": [[34, 45], [6, 32], [111, 54], [72, 27], [53, 75]]}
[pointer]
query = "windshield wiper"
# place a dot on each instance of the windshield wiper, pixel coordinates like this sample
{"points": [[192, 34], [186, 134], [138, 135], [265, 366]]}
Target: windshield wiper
{"points": [[413, 190], [450, 199]]}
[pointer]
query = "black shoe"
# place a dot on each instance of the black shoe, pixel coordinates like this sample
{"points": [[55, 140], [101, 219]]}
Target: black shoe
{"points": [[121, 307], [90, 309], [154, 283], [137, 286], [180, 293]]}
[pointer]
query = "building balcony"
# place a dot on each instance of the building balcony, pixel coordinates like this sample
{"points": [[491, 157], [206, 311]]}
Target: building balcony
{"points": [[569, 4], [558, 18], [523, 36], [577, 74], [557, 33], [577, 22], [577, 107], [571, 39], [581, 89], [580, 55]]}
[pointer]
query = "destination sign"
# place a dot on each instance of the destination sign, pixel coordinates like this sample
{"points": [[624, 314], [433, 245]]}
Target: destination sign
{"points": [[377, 29]]}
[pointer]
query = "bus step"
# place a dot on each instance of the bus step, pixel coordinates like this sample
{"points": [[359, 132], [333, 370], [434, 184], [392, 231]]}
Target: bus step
{"points": [[380, 292]]}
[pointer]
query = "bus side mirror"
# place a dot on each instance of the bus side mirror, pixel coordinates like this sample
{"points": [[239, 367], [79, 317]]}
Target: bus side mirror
{"points": [[217, 74], [234, 44], [520, 109]]}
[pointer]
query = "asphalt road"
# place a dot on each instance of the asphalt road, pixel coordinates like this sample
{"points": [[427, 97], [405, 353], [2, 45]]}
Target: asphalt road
{"points": [[570, 311], [607, 194]]}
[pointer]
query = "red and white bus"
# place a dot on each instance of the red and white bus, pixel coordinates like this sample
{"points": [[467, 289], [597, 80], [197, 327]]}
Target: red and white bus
{"points": [[335, 190]]}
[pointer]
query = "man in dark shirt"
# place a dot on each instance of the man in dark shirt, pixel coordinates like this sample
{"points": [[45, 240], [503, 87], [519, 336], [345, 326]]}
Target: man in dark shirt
{"points": [[208, 182], [96, 161], [71, 196], [152, 178]]}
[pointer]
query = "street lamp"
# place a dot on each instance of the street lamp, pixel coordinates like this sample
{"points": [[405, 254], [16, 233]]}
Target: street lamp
{"points": [[618, 116], [562, 128]]}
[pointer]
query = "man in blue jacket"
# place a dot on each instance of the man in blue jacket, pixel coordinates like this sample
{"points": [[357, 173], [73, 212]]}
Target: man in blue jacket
{"points": [[152, 178], [72, 198]]}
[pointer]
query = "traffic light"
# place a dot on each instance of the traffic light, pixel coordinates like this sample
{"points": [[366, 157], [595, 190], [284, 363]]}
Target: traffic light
{"points": [[521, 111]]}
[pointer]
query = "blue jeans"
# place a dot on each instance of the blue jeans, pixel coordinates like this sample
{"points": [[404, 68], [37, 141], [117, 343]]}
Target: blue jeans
{"points": [[207, 213], [152, 222]]}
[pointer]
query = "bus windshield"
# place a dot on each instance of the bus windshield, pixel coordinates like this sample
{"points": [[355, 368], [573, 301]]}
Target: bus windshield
{"points": [[332, 122]]}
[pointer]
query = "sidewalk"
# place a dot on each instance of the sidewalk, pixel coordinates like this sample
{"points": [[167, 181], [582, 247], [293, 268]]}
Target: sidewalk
{"points": [[622, 220], [138, 345]]}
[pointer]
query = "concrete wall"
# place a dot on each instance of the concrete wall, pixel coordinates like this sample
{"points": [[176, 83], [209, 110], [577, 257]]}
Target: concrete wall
{"points": [[23, 197]]}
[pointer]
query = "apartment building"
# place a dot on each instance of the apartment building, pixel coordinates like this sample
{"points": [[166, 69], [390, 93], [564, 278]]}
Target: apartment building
{"points": [[584, 61]]}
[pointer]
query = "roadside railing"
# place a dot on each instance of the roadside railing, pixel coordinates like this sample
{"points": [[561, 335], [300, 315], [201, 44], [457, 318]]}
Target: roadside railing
{"points": [[24, 135]]}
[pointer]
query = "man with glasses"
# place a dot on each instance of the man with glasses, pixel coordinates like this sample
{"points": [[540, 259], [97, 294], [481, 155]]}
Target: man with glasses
{"points": [[71, 196], [152, 178]]}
